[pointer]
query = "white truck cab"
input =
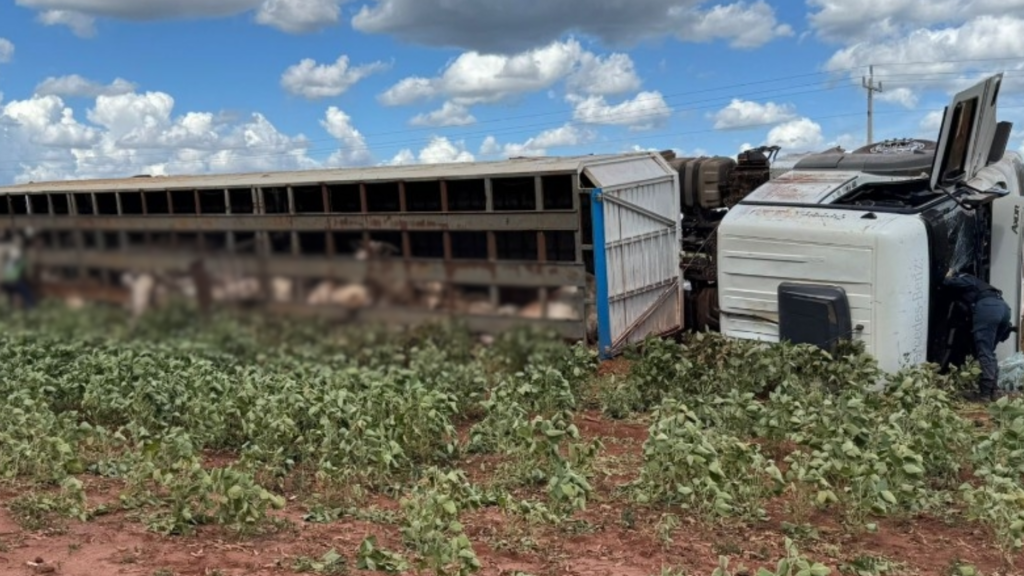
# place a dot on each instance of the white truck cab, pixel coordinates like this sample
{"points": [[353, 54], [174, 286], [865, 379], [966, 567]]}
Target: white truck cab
{"points": [[856, 244]]}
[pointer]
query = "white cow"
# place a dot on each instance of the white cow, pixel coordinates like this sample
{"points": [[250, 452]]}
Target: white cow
{"points": [[142, 287], [562, 305]]}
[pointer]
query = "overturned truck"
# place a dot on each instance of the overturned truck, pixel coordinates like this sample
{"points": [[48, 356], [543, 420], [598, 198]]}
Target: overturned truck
{"points": [[854, 245], [586, 246]]}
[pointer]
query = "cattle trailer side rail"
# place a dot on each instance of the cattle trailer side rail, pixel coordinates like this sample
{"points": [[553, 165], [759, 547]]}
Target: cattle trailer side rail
{"points": [[514, 231]]}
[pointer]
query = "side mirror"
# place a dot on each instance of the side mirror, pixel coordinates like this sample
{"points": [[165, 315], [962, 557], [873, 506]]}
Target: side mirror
{"points": [[998, 190], [982, 197]]}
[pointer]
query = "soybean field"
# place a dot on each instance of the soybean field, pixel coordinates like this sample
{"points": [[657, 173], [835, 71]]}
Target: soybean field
{"points": [[238, 445]]}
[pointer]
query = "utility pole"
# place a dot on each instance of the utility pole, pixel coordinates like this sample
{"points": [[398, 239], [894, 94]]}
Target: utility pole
{"points": [[868, 82]]}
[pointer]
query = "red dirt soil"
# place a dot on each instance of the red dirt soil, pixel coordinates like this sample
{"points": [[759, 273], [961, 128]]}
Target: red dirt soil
{"points": [[616, 538], [615, 366]]}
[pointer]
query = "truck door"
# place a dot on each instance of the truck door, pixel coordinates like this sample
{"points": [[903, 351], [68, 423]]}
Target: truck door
{"points": [[968, 126]]}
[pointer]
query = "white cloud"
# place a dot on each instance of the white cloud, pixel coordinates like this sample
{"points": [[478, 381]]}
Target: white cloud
{"points": [[566, 135], [47, 122], [149, 10], [82, 25], [404, 156], [409, 90], [597, 75], [645, 111], [139, 133], [313, 81], [695, 153], [299, 16], [495, 26], [798, 135], [916, 48], [847, 142], [490, 147], [744, 113], [6, 50], [522, 150], [853, 21], [539, 145], [439, 151], [680, 153], [293, 16], [903, 96], [134, 119], [450, 114], [979, 38], [947, 58], [932, 123], [514, 25], [353, 150], [742, 24], [476, 78], [639, 148], [77, 86]]}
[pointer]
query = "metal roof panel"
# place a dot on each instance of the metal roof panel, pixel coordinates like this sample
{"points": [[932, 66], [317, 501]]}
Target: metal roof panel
{"points": [[459, 170]]}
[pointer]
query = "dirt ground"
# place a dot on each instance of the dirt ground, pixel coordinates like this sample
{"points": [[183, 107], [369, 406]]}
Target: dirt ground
{"points": [[613, 538]]}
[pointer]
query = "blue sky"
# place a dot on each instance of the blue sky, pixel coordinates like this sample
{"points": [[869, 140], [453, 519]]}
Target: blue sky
{"points": [[101, 88]]}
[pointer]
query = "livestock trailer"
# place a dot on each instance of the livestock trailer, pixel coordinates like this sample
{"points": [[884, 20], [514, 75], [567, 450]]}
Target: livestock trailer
{"points": [[512, 231]]}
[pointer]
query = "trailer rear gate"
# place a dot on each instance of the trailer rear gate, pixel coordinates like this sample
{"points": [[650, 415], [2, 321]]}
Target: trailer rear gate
{"points": [[637, 234], [516, 229]]}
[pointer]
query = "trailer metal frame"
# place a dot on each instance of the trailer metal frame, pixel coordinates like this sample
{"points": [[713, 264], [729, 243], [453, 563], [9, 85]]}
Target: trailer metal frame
{"points": [[524, 223]]}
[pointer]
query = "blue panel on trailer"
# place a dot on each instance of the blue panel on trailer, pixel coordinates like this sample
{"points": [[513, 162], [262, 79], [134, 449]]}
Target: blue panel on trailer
{"points": [[604, 321]]}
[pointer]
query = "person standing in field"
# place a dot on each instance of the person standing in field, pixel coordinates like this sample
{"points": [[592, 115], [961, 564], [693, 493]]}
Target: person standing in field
{"points": [[13, 271], [6, 256], [991, 326]]}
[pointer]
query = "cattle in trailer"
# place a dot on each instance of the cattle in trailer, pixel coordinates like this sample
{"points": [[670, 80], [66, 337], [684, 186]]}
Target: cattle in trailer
{"points": [[563, 304], [429, 295]]}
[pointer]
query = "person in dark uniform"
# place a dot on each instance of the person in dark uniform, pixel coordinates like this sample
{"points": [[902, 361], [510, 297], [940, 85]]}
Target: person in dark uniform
{"points": [[991, 326], [13, 278]]}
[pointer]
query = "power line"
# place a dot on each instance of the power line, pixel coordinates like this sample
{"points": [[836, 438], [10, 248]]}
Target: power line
{"points": [[633, 117], [666, 97], [610, 141], [607, 119], [624, 118], [524, 129]]}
